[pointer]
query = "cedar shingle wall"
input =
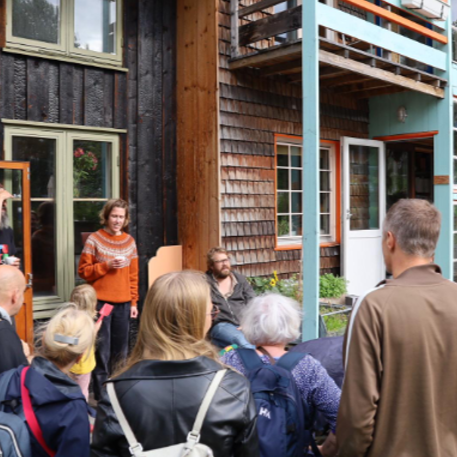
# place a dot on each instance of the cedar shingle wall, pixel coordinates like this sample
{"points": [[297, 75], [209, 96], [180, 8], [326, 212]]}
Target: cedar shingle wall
{"points": [[252, 110]]}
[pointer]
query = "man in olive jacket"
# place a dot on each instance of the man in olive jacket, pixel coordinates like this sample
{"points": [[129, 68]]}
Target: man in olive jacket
{"points": [[399, 394], [230, 293]]}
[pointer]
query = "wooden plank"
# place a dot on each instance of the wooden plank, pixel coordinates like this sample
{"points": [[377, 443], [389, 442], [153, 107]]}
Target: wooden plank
{"points": [[37, 89], [20, 88], [259, 6], [397, 19], [3, 13], [53, 92], [78, 95], [108, 99], [377, 73], [93, 97], [66, 93], [283, 22], [7, 86], [234, 28], [119, 101], [283, 68]]}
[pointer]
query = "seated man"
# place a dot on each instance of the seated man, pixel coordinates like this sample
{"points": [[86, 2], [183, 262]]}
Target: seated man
{"points": [[230, 292], [12, 287]]}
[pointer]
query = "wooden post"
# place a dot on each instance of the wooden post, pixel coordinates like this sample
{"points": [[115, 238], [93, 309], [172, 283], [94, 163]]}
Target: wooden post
{"points": [[234, 28], [311, 260]]}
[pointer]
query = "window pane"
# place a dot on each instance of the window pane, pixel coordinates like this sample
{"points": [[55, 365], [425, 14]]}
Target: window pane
{"points": [[283, 156], [324, 159], [37, 20], [91, 169], [283, 179], [325, 180], [325, 203], [295, 156], [283, 202], [296, 226], [297, 202], [296, 179], [95, 25], [325, 225], [283, 226], [41, 153]]}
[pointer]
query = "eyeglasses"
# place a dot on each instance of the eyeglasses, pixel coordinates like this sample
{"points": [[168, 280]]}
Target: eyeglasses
{"points": [[222, 261], [214, 312]]}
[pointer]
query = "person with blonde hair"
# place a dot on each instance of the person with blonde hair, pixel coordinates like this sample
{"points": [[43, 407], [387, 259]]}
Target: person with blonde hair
{"points": [[109, 263], [84, 298], [162, 386], [59, 406]]}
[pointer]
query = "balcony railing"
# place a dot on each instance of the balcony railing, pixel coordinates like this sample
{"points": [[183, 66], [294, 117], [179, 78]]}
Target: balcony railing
{"points": [[267, 34]]}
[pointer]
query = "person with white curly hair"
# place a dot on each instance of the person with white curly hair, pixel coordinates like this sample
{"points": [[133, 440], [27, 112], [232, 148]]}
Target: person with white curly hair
{"points": [[272, 321]]}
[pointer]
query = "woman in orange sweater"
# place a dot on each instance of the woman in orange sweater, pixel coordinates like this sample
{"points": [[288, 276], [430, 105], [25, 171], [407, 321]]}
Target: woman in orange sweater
{"points": [[109, 262]]}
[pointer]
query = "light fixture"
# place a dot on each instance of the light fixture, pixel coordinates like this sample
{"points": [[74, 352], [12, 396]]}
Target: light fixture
{"points": [[402, 114], [433, 9]]}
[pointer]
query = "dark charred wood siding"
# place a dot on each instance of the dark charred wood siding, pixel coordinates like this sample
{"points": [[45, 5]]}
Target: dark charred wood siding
{"points": [[252, 110], [142, 100]]}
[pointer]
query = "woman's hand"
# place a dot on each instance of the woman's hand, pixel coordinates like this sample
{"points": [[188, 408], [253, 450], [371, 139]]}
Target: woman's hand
{"points": [[330, 446], [118, 262], [133, 312]]}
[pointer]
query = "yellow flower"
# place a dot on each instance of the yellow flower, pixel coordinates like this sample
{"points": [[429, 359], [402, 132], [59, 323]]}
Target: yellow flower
{"points": [[272, 283], [275, 274]]}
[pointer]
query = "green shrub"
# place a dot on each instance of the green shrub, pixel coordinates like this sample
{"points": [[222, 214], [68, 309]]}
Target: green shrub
{"points": [[331, 286], [290, 287]]}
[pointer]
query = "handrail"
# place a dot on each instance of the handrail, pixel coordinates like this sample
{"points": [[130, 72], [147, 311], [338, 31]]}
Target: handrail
{"points": [[397, 19]]}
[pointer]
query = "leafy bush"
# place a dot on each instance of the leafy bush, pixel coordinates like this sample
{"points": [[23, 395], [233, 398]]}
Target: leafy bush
{"points": [[290, 287], [331, 286]]}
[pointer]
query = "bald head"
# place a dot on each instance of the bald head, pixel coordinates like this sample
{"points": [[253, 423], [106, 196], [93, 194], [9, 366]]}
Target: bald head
{"points": [[12, 287]]}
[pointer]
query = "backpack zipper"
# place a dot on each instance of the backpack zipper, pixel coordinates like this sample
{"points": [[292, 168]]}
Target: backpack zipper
{"points": [[13, 438]]}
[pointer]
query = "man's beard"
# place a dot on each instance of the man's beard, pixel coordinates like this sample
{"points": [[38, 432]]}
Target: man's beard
{"points": [[4, 221], [222, 274]]}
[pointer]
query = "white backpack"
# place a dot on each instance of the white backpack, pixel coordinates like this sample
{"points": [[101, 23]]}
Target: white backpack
{"points": [[192, 448]]}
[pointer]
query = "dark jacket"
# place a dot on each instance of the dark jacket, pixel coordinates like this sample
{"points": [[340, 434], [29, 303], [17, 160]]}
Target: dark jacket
{"points": [[11, 351], [230, 309], [60, 408], [160, 400]]}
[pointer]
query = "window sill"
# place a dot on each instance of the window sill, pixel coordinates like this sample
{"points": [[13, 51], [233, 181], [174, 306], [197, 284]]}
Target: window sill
{"points": [[291, 247], [90, 62]]}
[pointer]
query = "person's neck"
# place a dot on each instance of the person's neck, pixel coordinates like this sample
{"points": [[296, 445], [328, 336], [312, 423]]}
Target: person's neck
{"points": [[276, 350], [111, 232], [403, 263], [220, 279], [4, 313]]}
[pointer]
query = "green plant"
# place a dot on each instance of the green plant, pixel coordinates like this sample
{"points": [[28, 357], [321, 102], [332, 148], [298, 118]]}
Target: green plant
{"points": [[289, 287], [331, 286]]}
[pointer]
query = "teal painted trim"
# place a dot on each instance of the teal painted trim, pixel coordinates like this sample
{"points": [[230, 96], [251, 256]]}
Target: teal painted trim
{"points": [[311, 259], [371, 33]]}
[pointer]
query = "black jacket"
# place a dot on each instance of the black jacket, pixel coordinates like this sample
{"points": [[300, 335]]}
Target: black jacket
{"points": [[11, 351], [160, 400], [230, 309]]}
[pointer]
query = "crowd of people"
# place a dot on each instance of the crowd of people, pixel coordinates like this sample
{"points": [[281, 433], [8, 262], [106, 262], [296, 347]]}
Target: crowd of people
{"points": [[211, 372]]}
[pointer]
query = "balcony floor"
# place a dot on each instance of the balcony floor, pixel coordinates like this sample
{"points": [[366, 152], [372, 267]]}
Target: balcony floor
{"points": [[353, 68]]}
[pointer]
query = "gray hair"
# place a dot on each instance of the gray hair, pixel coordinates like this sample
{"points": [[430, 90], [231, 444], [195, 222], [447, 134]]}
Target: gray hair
{"points": [[416, 226], [271, 319]]}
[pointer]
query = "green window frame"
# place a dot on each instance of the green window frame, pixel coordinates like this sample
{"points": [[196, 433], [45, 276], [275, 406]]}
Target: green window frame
{"points": [[66, 49], [65, 198]]}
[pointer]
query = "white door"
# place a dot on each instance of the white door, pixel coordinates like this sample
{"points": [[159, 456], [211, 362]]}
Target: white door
{"points": [[364, 207]]}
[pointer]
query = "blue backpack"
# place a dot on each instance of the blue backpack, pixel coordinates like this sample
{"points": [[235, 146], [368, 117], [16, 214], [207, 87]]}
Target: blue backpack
{"points": [[284, 423], [14, 434]]}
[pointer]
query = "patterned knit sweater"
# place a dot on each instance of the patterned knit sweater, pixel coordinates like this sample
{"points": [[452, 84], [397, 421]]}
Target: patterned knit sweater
{"points": [[116, 285]]}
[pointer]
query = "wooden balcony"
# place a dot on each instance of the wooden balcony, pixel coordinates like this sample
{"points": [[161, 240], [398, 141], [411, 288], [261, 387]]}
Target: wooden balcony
{"points": [[357, 56]]}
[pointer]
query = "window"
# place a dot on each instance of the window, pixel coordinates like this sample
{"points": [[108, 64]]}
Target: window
{"points": [[72, 175], [289, 192], [81, 29]]}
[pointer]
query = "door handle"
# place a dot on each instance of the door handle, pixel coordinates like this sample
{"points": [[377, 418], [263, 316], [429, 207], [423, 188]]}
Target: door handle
{"points": [[348, 214], [30, 281]]}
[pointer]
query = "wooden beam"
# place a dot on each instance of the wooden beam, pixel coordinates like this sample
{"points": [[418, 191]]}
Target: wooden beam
{"points": [[344, 80], [362, 87], [382, 91], [377, 73], [283, 68], [397, 19], [259, 6], [267, 56], [234, 29], [283, 22]]}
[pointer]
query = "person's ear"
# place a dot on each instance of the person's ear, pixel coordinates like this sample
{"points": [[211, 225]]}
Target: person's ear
{"points": [[15, 296], [391, 242]]}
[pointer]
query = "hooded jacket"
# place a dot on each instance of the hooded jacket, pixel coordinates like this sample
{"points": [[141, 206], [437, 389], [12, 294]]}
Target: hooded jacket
{"points": [[160, 400], [399, 396], [60, 408], [230, 308]]}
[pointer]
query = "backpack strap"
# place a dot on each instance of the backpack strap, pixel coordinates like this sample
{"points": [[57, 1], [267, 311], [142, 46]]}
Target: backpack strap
{"points": [[194, 436], [290, 360], [30, 416], [251, 360], [135, 448]]}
